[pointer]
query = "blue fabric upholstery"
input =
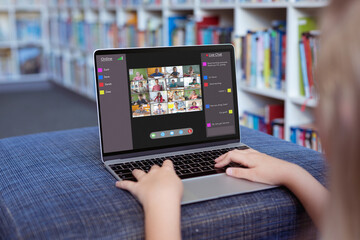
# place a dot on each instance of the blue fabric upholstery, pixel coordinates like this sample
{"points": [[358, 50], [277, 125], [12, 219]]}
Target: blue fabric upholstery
{"points": [[53, 185]]}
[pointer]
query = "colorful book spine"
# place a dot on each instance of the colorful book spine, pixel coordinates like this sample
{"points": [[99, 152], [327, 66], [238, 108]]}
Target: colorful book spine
{"points": [[304, 70], [306, 136], [308, 46]]}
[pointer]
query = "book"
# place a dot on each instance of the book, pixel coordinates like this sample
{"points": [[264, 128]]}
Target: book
{"points": [[277, 126], [309, 46], [176, 24], [273, 111], [263, 57], [262, 119], [30, 60], [205, 23], [28, 26], [305, 79], [4, 27], [5, 63], [305, 24], [306, 135], [255, 121]]}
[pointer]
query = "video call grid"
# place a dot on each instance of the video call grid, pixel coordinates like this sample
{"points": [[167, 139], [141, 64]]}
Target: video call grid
{"points": [[165, 90]]}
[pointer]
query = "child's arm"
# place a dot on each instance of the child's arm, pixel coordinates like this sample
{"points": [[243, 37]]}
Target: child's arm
{"points": [[266, 169], [160, 192]]}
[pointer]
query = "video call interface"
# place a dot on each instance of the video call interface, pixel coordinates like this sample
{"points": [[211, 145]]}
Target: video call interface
{"points": [[165, 90], [157, 99]]}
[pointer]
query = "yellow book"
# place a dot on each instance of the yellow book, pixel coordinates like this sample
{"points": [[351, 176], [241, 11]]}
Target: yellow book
{"points": [[267, 59]]}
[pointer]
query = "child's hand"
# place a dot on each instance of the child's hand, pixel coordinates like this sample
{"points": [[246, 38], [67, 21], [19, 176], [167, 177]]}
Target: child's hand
{"points": [[261, 167], [159, 185]]}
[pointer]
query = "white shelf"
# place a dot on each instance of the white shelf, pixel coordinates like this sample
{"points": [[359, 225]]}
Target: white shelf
{"points": [[303, 101], [269, 5], [217, 6], [266, 92], [319, 4]]}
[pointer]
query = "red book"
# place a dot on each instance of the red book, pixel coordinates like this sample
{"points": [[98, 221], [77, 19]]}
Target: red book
{"points": [[272, 112], [206, 22], [306, 42]]}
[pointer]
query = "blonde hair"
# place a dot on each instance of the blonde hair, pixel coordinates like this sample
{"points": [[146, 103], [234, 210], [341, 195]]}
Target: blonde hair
{"points": [[338, 76]]}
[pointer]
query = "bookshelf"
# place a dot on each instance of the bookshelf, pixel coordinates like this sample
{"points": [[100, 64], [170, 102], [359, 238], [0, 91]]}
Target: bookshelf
{"points": [[23, 51], [130, 23]]}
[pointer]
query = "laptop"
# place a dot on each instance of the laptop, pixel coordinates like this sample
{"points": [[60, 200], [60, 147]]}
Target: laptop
{"points": [[177, 103]]}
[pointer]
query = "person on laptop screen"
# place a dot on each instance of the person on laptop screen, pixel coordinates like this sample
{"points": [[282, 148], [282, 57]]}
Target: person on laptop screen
{"points": [[157, 73], [157, 86], [175, 73], [335, 213]]}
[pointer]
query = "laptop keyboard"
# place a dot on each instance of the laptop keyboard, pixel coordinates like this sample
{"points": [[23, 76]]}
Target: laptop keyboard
{"points": [[185, 165]]}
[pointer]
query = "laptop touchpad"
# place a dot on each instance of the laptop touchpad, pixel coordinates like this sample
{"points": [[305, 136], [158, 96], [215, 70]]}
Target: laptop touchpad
{"points": [[216, 186]]}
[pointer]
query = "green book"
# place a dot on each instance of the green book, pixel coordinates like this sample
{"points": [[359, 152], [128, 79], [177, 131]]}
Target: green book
{"points": [[306, 24]]}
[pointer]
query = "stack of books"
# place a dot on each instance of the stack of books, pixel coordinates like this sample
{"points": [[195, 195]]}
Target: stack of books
{"points": [[129, 36], [269, 119], [4, 27], [28, 26], [154, 34], [306, 136], [308, 51], [5, 63], [184, 30], [30, 60], [263, 57]]}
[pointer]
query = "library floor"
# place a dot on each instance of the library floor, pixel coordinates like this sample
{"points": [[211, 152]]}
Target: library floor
{"points": [[42, 107]]}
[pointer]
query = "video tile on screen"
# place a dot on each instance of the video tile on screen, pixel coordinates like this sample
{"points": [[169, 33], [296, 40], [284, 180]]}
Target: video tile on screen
{"points": [[174, 72], [191, 70], [142, 110], [158, 97], [159, 108], [141, 98], [192, 94], [138, 74], [176, 107], [156, 85], [139, 86], [193, 105], [175, 83], [156, 72], [176, 95], [192, 82]]}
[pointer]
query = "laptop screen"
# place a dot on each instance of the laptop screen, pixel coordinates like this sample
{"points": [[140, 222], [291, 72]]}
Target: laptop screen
{"points": [[157, 98]]}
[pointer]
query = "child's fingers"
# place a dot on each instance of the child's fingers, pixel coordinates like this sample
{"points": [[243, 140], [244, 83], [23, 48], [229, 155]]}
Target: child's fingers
{"points": [[138, 173], [168, 164], [221, 157], [243, 173], [126, 185], [235, 156], [154, 167]]}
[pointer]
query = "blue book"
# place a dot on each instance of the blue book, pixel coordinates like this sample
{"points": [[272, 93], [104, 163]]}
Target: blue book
{"points": [[207, 35], [190, 33], [304, 70], [256, 122], [173, 23], [293, 134], [273, 57], [279, 62], [254, 38]]}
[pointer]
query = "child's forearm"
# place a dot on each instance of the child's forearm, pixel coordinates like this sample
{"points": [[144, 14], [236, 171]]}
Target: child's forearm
{"points": [[162, 220], [309, 191]]}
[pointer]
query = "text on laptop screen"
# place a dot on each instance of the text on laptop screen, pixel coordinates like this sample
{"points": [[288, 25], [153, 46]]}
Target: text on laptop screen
{"points": [[164, 97]]}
